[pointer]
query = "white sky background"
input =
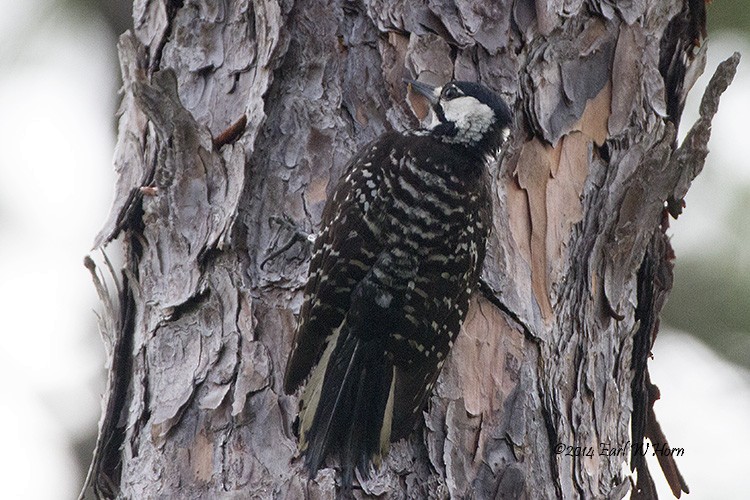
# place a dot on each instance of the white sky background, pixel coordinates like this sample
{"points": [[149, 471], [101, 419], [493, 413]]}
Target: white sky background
{"points": [[56, 184], [705, 401]]}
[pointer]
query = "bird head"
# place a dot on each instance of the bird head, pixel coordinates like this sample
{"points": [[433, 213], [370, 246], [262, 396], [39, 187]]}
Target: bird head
{"points": [[467, 114]]}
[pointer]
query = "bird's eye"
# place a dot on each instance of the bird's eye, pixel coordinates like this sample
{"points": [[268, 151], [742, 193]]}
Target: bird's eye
{"points": [[451, 92]]}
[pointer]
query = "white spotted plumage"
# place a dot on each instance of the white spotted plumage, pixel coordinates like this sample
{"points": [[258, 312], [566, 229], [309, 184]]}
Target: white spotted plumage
{"points": [[401, 247]]}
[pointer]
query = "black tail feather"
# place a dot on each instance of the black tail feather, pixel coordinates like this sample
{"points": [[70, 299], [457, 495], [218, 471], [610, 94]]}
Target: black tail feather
{"points": [[351, 409], [335, 397]]}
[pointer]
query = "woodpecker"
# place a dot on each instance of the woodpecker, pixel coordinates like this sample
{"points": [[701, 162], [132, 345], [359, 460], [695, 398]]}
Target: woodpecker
{"points": [[398, 254]]}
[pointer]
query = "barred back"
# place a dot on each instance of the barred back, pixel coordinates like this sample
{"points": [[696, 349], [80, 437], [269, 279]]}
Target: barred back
{"points": [[399, 252]]}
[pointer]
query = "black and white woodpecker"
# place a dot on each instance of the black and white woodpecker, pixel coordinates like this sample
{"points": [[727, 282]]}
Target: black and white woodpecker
{"points": [[399, 252]]}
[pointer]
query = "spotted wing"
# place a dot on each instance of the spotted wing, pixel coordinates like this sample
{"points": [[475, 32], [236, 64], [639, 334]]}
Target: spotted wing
{"points": [[344, 251]]}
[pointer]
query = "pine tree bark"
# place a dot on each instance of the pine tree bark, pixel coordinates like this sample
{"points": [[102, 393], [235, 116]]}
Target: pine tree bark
{"points": [[238, 114]]}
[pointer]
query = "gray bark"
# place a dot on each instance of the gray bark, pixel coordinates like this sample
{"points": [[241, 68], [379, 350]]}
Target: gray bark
{"points": [[554, 350]]}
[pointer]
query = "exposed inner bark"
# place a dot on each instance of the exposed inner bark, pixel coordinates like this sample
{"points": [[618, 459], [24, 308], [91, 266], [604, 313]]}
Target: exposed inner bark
{"points": [[235, 113]]}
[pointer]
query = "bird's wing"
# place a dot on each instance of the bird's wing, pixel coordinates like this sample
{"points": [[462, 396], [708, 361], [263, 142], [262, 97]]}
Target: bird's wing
{"points": [[442, 314], [344, 251]]}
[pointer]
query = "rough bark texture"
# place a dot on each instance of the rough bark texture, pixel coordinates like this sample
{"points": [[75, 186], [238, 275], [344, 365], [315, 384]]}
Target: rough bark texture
{"points": [[554, 350]]}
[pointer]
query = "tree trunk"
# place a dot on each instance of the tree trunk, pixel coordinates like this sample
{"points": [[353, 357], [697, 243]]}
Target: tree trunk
{"points": [[553, 353]]}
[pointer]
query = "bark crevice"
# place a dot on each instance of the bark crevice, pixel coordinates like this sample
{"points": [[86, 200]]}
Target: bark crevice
{"points": [[554, 348]]}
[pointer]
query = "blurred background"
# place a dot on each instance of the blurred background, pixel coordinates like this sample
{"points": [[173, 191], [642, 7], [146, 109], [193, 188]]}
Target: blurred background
{"points": [[59, 77]]}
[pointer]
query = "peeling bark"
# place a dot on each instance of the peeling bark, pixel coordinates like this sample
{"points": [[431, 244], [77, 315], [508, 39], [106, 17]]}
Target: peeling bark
{"points": [[237, 114]]}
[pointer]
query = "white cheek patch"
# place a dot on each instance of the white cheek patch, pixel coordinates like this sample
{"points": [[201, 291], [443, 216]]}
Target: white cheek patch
{"points": [[471, 118]]}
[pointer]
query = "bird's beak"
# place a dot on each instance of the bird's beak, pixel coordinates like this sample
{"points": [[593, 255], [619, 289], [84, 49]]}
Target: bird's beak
{"points": [[423, 89]]}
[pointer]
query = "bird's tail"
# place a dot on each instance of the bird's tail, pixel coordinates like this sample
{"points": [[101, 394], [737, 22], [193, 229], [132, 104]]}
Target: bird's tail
{"points": [[347, 407]]}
